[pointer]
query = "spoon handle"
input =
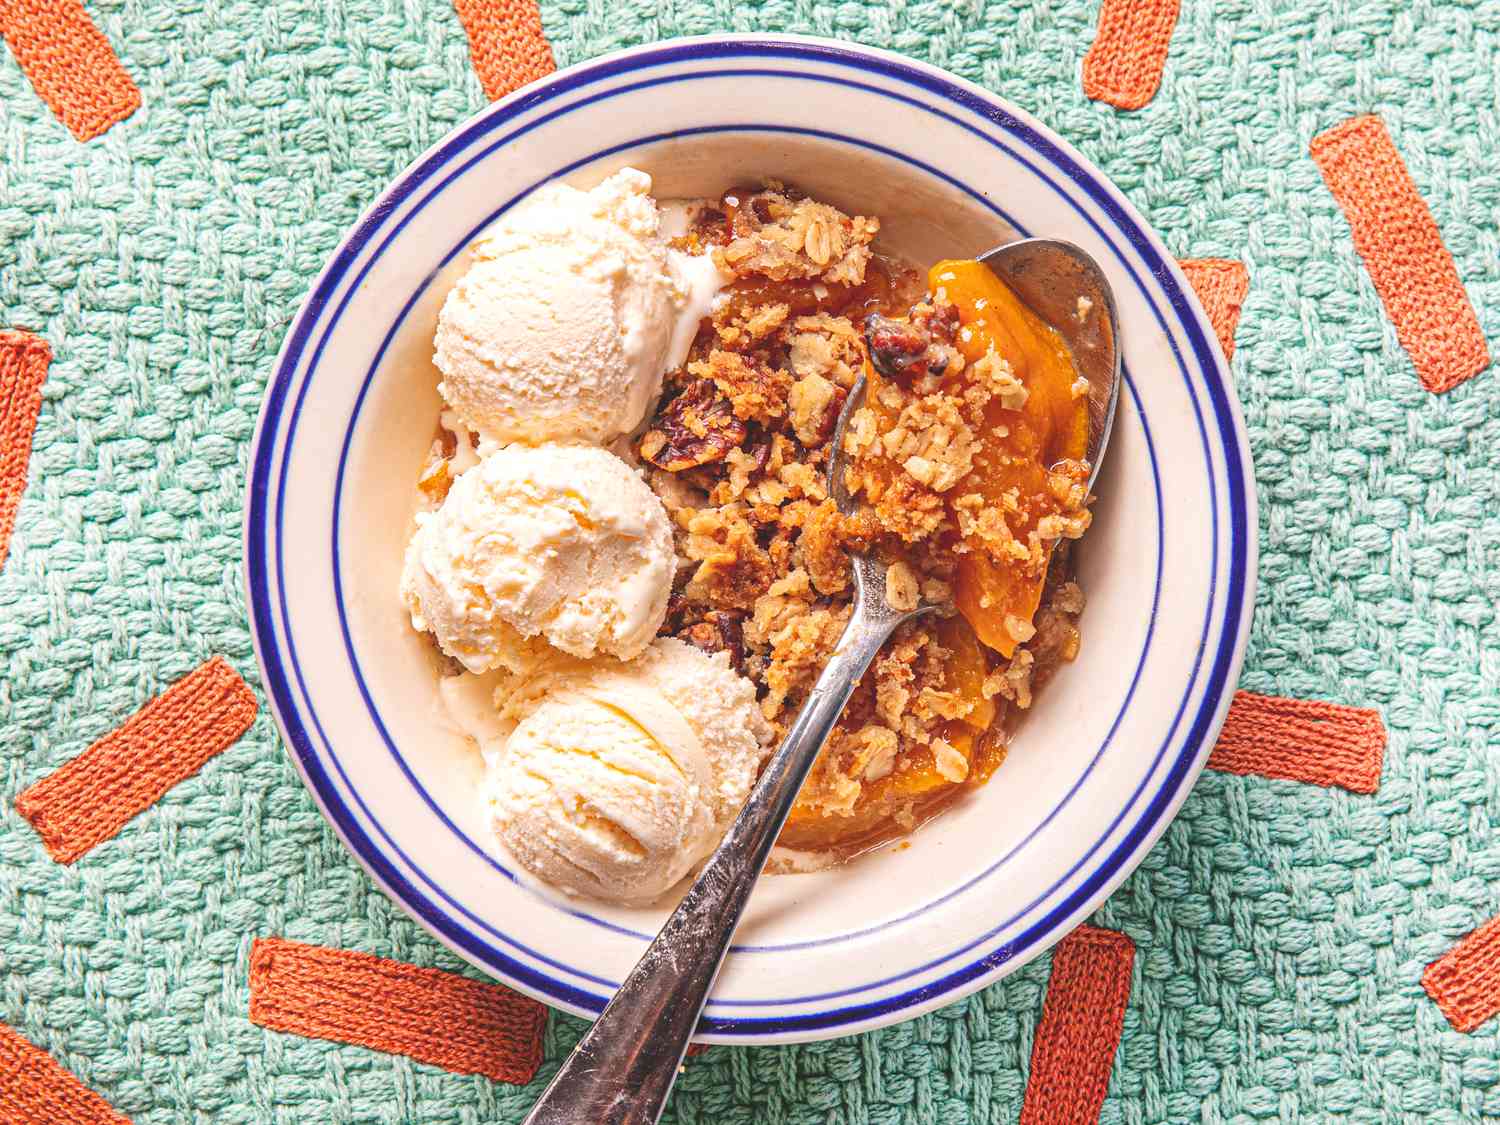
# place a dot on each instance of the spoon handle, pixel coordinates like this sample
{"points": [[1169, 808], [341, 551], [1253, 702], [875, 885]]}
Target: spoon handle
{"points": [[623, 1069]]}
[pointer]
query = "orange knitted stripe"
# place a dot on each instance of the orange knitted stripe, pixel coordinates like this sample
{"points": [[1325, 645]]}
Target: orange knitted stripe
{"points": [[696, 1049], [1465, 981], [1301, 740], [1402, 248], [89, 799], [1123, 66], [1080, 1028], [36, 1090], [1221, 285], [431, 1015], [70, 63], [506, 43], [23, 368]]}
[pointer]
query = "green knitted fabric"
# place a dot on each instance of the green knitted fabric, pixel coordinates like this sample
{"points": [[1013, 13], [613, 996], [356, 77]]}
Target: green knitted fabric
{"points": [[1281, 928]]}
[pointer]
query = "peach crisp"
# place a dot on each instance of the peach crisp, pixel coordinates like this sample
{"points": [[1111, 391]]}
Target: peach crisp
{"points": [[966, 458]]}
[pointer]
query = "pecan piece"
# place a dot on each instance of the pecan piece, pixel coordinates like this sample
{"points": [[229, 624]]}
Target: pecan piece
{"points": [[719, 631], [696, 427], [898, 350], [905, 350], [760, 452]]}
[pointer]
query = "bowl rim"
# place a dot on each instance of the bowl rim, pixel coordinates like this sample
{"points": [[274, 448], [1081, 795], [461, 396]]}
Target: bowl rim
{"points": [[1224, 666]]}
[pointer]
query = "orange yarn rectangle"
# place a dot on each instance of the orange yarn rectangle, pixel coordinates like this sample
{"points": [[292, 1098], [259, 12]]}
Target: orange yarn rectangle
{"points": [[1222, 285], [1301, 740], [1125, 62], [1465, 981], [1403, 251], [70, 63], [89, 799], [430, 1015], [506, 43], [24, 359], [36, 1090], [1079, 1032]]}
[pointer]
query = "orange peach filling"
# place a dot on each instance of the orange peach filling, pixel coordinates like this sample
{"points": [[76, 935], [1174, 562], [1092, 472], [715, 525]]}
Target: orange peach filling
{"points": [[1030, 455], [1024, 488]]}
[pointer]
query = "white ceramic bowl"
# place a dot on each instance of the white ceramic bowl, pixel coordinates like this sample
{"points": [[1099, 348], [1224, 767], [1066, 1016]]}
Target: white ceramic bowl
{"points": [[1114, 742]]}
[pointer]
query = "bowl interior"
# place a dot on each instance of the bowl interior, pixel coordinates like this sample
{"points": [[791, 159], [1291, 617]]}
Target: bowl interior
{"points": [[922, 219]]}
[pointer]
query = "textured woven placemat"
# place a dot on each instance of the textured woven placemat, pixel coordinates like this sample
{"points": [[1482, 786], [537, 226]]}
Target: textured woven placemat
{"points": [[1282, 928]]}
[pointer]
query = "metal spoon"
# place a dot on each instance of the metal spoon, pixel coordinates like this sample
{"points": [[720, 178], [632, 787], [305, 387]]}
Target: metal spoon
{"points": [[1064, 286], [623, 1069]]}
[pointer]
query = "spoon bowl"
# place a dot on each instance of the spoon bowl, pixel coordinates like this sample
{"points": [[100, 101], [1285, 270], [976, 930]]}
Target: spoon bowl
{"points": [[1065, 287]]}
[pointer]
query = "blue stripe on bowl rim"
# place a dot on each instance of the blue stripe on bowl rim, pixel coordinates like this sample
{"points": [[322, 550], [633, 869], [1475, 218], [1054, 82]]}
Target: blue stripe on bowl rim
{"points": [[971, 99]]}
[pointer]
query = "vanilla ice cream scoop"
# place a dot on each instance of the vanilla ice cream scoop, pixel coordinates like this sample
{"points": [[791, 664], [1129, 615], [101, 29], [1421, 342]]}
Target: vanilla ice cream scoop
{"points": [[570, 311], [617, 779], [536, 546]]}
